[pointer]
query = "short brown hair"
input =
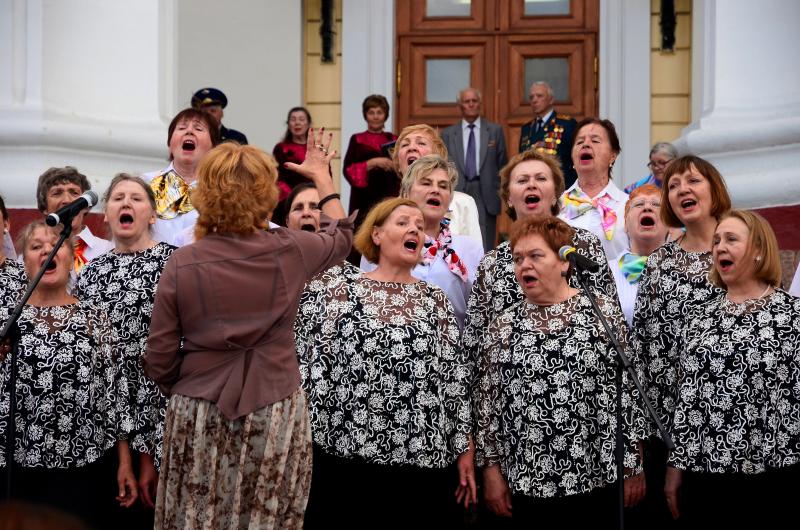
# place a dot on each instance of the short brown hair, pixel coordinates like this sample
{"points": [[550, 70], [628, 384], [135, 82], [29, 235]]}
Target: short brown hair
{"points": [[375, 218], [531, 154], [720, 200], [55, 176], [555, 232], [646, 189], [236, 190], [424, 167], [611, 131], [372, 101], [195, 114], [126, 177], [436, 142], [761, 243]]}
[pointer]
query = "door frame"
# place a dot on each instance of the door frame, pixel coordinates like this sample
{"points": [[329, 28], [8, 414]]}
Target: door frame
{"points": [[368, 41]]}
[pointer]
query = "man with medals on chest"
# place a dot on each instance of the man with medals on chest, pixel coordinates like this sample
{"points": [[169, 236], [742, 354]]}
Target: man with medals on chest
{"points": [[549, 131]]}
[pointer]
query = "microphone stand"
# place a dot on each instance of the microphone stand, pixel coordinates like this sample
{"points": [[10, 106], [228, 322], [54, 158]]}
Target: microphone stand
{"points": [[623, 362], [11, 330]]}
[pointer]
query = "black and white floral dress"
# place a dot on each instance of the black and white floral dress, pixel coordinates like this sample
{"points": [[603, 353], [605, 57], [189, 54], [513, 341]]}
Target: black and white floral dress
{"points": [[13, 282], [672, 283], [496, 288], [72, 404], [545, 398], [738, 387], [383, 370], [124, 286]]}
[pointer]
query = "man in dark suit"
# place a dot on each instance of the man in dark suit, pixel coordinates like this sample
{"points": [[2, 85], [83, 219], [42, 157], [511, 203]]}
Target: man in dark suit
{"points": [[213, 100], [478, 149], [549, 132]]}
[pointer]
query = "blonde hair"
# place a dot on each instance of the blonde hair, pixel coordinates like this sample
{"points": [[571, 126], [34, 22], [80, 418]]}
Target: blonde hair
{"points": [[761, 244], [436, 143], [236, 190], [376, 217], [26, 234], [424, 167]]}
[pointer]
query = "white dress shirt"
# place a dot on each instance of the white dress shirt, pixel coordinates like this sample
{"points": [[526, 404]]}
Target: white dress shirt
{"points": [[8, 246], [172, 230], [465, 138], [437, 273], [592, 220]]}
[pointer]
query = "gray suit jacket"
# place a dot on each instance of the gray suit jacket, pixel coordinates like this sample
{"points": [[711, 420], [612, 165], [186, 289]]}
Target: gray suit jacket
{"points": [[492, 157]]}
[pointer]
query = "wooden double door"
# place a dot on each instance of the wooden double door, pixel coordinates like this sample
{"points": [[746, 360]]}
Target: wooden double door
{"points": [[498, 47]]}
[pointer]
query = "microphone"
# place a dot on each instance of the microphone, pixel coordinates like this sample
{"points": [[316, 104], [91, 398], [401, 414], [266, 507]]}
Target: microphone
{"points": [[567, 253], [67, 213]]}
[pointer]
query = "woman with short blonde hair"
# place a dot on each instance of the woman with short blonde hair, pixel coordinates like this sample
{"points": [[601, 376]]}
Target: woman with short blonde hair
{"points": [[382, 368]]}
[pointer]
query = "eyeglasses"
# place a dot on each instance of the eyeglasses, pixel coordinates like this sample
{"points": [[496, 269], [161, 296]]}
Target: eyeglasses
{"points": [[638, 204], [658, 163]]}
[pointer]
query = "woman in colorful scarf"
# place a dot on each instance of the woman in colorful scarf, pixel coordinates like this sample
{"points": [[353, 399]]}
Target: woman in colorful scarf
{"points": [[192, 133], [448, 261], [646, 232], [594, 202]]}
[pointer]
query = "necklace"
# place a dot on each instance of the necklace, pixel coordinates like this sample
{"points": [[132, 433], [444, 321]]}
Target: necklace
{"points": [[765, 292]]}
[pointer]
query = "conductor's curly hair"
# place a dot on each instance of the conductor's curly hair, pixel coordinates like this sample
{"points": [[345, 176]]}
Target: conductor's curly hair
{"points": [[236, 190]]}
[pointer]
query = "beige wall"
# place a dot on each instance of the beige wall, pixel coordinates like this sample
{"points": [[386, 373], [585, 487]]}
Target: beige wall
{"points": [[670, 76], [322, 92]]}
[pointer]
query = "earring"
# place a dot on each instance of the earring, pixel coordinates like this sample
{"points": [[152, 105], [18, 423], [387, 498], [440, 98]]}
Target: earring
{"points": [[758, 258], [564, 274]]}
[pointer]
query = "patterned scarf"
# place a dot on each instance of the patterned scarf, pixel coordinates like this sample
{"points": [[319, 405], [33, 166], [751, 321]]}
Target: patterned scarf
{"points": [[443, 243], [79, 250], [173, 195], [577, 203], [632, 266]]}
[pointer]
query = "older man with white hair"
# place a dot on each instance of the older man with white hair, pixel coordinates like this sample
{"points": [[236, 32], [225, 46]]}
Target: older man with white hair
{"points": [[478, 149], [549, 131]]}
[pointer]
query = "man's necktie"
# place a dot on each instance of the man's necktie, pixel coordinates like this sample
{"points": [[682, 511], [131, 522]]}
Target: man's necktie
{"points": [[471, 172]]}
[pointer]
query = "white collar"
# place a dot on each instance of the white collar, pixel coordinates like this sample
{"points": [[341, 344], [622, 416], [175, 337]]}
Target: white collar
{"points": [[465, 123], [546, 117], [611, 188]]}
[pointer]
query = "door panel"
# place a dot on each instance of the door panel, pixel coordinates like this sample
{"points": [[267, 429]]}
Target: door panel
{"points": [[429, 61]]}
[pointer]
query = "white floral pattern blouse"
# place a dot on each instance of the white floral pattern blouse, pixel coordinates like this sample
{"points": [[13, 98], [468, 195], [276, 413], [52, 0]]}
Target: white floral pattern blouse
{"points": [[545, 398], [124, 286], [72, 402], [383, 370], [738, 386]]}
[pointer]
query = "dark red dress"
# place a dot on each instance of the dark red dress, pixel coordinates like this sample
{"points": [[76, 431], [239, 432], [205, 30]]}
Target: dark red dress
{"points": [[368, 187], [287, 179]]}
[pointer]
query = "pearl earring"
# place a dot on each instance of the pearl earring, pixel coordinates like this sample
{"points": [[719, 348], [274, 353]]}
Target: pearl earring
{"points": [[758, 258]]}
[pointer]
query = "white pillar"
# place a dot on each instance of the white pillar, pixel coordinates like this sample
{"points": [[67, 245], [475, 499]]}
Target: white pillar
{"points": [[746, 79], [625, 82], [81, 85], [367, 63]]}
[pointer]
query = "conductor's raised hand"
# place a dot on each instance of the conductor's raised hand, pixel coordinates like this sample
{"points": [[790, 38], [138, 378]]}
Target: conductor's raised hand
{"points": [[319, 154]]}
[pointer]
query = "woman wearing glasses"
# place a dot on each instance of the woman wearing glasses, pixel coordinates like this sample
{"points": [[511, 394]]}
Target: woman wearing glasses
{"points": [[661, 154]]}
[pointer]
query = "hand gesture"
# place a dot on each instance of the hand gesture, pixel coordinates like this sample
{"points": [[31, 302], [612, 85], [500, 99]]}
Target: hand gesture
{"points": [[319, 154]]}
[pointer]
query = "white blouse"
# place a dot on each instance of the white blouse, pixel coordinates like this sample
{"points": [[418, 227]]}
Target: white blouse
{"points": [[464, 220], [625, 290]]}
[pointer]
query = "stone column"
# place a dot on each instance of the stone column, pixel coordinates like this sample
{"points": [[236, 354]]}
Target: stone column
{"points": [[746, 102]]}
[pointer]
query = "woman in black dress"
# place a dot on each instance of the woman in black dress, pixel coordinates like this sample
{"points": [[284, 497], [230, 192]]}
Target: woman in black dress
{"points": [[123, 284], [72, 405], [736, 419], [545, 396]]}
